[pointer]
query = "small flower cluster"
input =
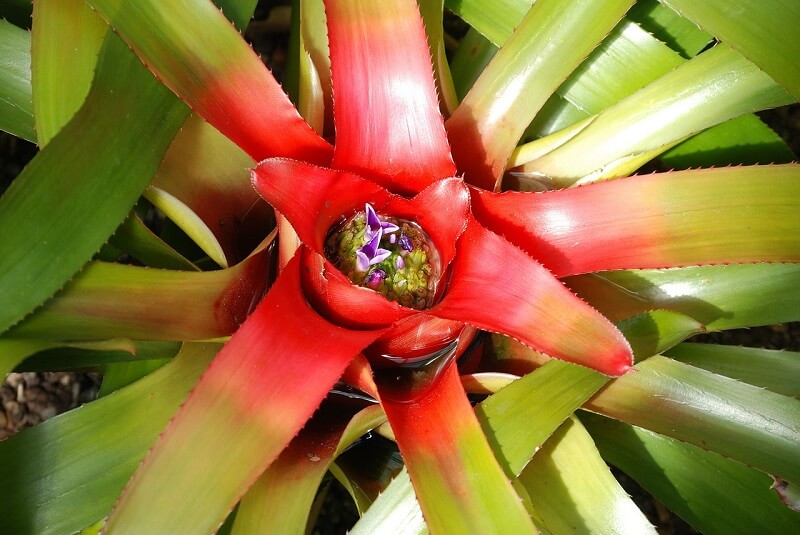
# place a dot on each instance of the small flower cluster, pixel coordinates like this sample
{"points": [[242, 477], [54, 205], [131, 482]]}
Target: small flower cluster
{"points": [[392, 256]]}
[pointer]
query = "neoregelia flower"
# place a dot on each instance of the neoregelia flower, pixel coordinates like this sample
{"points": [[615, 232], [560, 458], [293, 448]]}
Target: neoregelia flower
{"points": [[392, 160]]}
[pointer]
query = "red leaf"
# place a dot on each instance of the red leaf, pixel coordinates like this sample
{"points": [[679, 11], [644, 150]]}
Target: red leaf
{"points": [[251, 109], [388, 124], [450, 462], [313, 198], [497, 287]]}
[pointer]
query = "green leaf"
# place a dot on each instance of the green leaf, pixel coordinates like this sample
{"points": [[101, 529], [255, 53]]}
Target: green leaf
{"points": [[66, 473], [572, 490], [121, 374], [16, 106], [120, 301], [432, 15], [97, 354], [66, 39], [189, 222], [50, 226], [741, 421], [714, 494], [765, 32], [14, 351], [136, 239], [495, 19], [473, 54], [395, 512], [745, 140], [707, 90], [778, 371], [530, 65], [667, 26], [555, 390], [719, 297]]}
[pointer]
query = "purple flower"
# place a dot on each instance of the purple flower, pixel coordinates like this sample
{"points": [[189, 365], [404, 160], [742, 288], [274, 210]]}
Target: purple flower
{"points": [[370, 253], [405, 243], [375, 277], [375, 226]]}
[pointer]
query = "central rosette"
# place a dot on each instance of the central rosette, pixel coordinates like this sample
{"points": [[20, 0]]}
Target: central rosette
{"points": [[392, 256]]}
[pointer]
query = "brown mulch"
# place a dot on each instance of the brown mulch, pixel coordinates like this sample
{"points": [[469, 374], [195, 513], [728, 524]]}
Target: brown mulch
{"points": [[30, 398]]}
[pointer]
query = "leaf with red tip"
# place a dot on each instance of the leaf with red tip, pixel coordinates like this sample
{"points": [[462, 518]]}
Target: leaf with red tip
{"points": [[497, 287], [388, 124], [460, 486], [261, 388], [216, 74], [730, 215]]}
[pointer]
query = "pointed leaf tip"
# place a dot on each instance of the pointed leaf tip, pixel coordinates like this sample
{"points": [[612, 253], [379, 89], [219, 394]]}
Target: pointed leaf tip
{"points": [[490, 275]]}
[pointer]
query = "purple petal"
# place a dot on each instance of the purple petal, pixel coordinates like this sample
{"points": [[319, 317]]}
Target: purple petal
{"points": [[371, 247], [362, 261], [380, 256], [399, 263], [373, 221], [405, 243], [388, 228], [392, 239]]}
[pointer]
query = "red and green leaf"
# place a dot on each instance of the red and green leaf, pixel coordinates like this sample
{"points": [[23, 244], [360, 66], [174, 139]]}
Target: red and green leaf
{"points": [[457, 480], [261, 388], [114, 300], [388, 124], [227, 84], [655, 221], [490, 275]]}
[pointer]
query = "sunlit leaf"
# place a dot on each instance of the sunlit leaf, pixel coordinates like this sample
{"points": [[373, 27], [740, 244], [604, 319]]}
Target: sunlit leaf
{"points": [[66, 39], [778, 371], [719, 297], [764, 32], [572, 490], [716, 495], [45, 240], [16, 105], [670, 220], [756, 427], [530, 65]]}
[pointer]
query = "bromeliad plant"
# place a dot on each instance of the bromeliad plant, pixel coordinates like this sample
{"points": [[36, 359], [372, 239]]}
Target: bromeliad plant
{"points": [[251, 351]]}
